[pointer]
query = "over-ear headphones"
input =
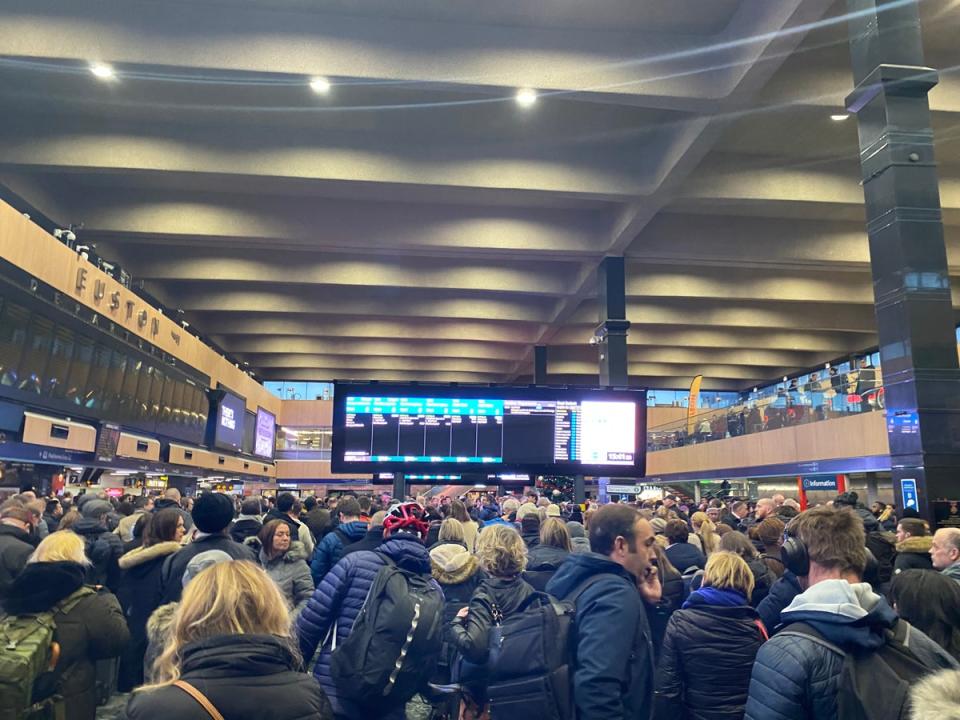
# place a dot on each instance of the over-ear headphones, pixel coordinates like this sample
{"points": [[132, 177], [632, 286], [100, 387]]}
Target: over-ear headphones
{"points": [[793, 555]]}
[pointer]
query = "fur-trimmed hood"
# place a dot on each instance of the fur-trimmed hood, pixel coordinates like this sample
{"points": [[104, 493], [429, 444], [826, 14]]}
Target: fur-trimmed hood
{"points": [[937, 696], [919, 544], [158, 626], [141, 555], [451, 564]]}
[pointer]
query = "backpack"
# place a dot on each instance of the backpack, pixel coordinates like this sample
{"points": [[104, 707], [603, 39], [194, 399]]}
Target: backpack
{"points": [[874, 686], [29, 654], [394, 645]]}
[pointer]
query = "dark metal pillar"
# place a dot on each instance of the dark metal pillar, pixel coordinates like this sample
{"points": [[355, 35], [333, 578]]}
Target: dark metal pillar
{"points": [[915, 321], [611, 334], [399, 486], [540, 364], [579, 489]]}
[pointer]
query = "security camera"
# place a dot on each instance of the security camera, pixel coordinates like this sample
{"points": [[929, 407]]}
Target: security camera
{"points": [[67, 236], [594, 340]]}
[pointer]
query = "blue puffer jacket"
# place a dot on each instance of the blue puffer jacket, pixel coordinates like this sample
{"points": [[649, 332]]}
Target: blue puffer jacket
{"points": [[330, 550], [780, 596], [339, 598], [797, 677]]}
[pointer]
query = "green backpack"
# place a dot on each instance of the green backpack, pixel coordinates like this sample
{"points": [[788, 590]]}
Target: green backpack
{"points": [[27, 654]]}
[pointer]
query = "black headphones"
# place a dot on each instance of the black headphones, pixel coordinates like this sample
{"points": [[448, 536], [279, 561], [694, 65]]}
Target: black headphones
{"points": [[793, 555]]}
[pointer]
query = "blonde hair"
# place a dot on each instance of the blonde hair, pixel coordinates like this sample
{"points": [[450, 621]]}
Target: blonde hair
{"points": [[704, 527], [61, 546], [451, 530], [501, 551], [233, 597], [554, 533], [727, 570]]}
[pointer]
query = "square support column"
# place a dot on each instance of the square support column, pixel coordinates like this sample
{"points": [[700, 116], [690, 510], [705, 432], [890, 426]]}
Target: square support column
{"points": [[611, 333]]}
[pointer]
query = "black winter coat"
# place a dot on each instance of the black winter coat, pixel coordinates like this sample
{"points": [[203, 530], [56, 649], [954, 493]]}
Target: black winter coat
{"points": [[684, 556], [171, 577], [15, 548], [671, 599], [913, 554], [103, 549], [139, 595], [780, 596], [244, 676], [763, 580], [371, 541], [246, 527], [470, 635], [542, 562], [93, 630], [705, 665]]}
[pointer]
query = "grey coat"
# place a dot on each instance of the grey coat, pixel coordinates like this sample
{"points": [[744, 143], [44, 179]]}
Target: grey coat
{"points": [[292, 575]]}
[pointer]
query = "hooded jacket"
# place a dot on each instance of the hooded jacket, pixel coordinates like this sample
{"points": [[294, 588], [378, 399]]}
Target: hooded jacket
{"points": [[176, 565], [164, 503], [542, 563], [245, 526], [780, 596], [796, 676], [94, 629], [457, 571], [370, 541], [707, 656], [15, 549], [103, 549], [139, 595], [338, 600], [470, 636], [914, 554], [578, 537], [237, 673], [290, 572], [613, 678], [330, 549]]}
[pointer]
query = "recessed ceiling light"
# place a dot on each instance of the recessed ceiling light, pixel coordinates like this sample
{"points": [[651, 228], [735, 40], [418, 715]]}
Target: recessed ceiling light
{"points": [[526, 97], [102, 71], [320, 85], [839, 117]]}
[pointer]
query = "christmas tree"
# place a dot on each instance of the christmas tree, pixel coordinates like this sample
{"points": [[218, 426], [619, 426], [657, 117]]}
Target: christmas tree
{"points": [[556, 489]]}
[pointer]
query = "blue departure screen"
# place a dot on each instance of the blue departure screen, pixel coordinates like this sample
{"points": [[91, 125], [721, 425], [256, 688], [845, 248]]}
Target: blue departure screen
{"points": [[485, 431]]}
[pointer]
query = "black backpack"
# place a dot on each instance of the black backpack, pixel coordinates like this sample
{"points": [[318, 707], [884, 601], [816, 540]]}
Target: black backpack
{"points": [[874, 686], [884, 549], [394, 645]]}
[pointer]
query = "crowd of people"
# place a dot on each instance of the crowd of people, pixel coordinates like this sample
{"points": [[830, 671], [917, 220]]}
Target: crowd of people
{"points": [[362, 607]]}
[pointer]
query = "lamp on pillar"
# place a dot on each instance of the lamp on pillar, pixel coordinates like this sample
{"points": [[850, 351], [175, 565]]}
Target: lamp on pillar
{"points": [[911, 280], [610, 337]]}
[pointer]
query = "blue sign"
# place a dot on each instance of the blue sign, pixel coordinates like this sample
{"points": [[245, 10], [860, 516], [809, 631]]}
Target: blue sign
{"points": [[908, 489], [819, 483]]}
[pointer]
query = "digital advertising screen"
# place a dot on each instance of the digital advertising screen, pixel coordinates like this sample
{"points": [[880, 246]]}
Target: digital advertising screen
{"points": [[416, 427], [229, 421], [264, 439]]}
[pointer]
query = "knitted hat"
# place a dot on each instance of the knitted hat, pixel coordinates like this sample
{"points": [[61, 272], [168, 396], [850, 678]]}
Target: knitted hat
{"points": [[95, 509], [531, 523], [659, 524], [576, 529], [553, 510], [201, 562], [212, 512], [450, 558], [526, 510]]}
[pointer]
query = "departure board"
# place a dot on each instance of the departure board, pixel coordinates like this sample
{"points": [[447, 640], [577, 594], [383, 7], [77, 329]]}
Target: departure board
{"points": [[572, 429]]}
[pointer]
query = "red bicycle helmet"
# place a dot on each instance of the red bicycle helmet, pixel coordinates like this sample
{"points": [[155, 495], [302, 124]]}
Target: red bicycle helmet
{"points": [[406, 516]]}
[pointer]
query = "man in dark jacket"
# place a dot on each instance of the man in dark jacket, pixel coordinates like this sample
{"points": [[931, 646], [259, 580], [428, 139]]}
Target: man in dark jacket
{"points": [[330, 550], [52, 514], [15, 544], [913, 546], [249, 523], [372, 540], [103, 547], [212, 513], [798, 676], [171, 499], [781, 594], [340, 595], [614, 675], [681, 554], [317, 518]]}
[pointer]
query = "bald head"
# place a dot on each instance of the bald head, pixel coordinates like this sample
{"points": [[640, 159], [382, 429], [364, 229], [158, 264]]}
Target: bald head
{"points": [[172, 494], [765, 508], [945, 551]]}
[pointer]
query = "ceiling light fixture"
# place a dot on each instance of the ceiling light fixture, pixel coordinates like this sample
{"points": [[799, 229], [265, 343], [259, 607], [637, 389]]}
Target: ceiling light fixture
{"points": [[102, 71], [320, 85], [839, 117], [526, 97]]}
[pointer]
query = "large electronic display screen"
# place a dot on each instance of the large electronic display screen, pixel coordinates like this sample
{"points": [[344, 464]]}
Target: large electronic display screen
{"points": [[577, 431], [264, 438], [229, 418]]}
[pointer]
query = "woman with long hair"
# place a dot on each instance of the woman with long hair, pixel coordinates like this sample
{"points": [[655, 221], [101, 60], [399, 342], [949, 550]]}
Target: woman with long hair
{"points": [[140, 591], [706, 530], [544, 559], [230, 646], [710, 645], [89, 623], [285, 561], [458, 511], [931, 603]]}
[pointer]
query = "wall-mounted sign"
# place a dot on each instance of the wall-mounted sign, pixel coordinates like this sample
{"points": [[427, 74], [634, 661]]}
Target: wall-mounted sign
{"points": [[908, 490], [828, 483]]}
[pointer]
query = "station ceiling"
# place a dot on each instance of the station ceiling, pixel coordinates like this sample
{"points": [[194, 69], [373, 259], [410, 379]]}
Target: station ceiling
{"points": [[414, 222]]}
